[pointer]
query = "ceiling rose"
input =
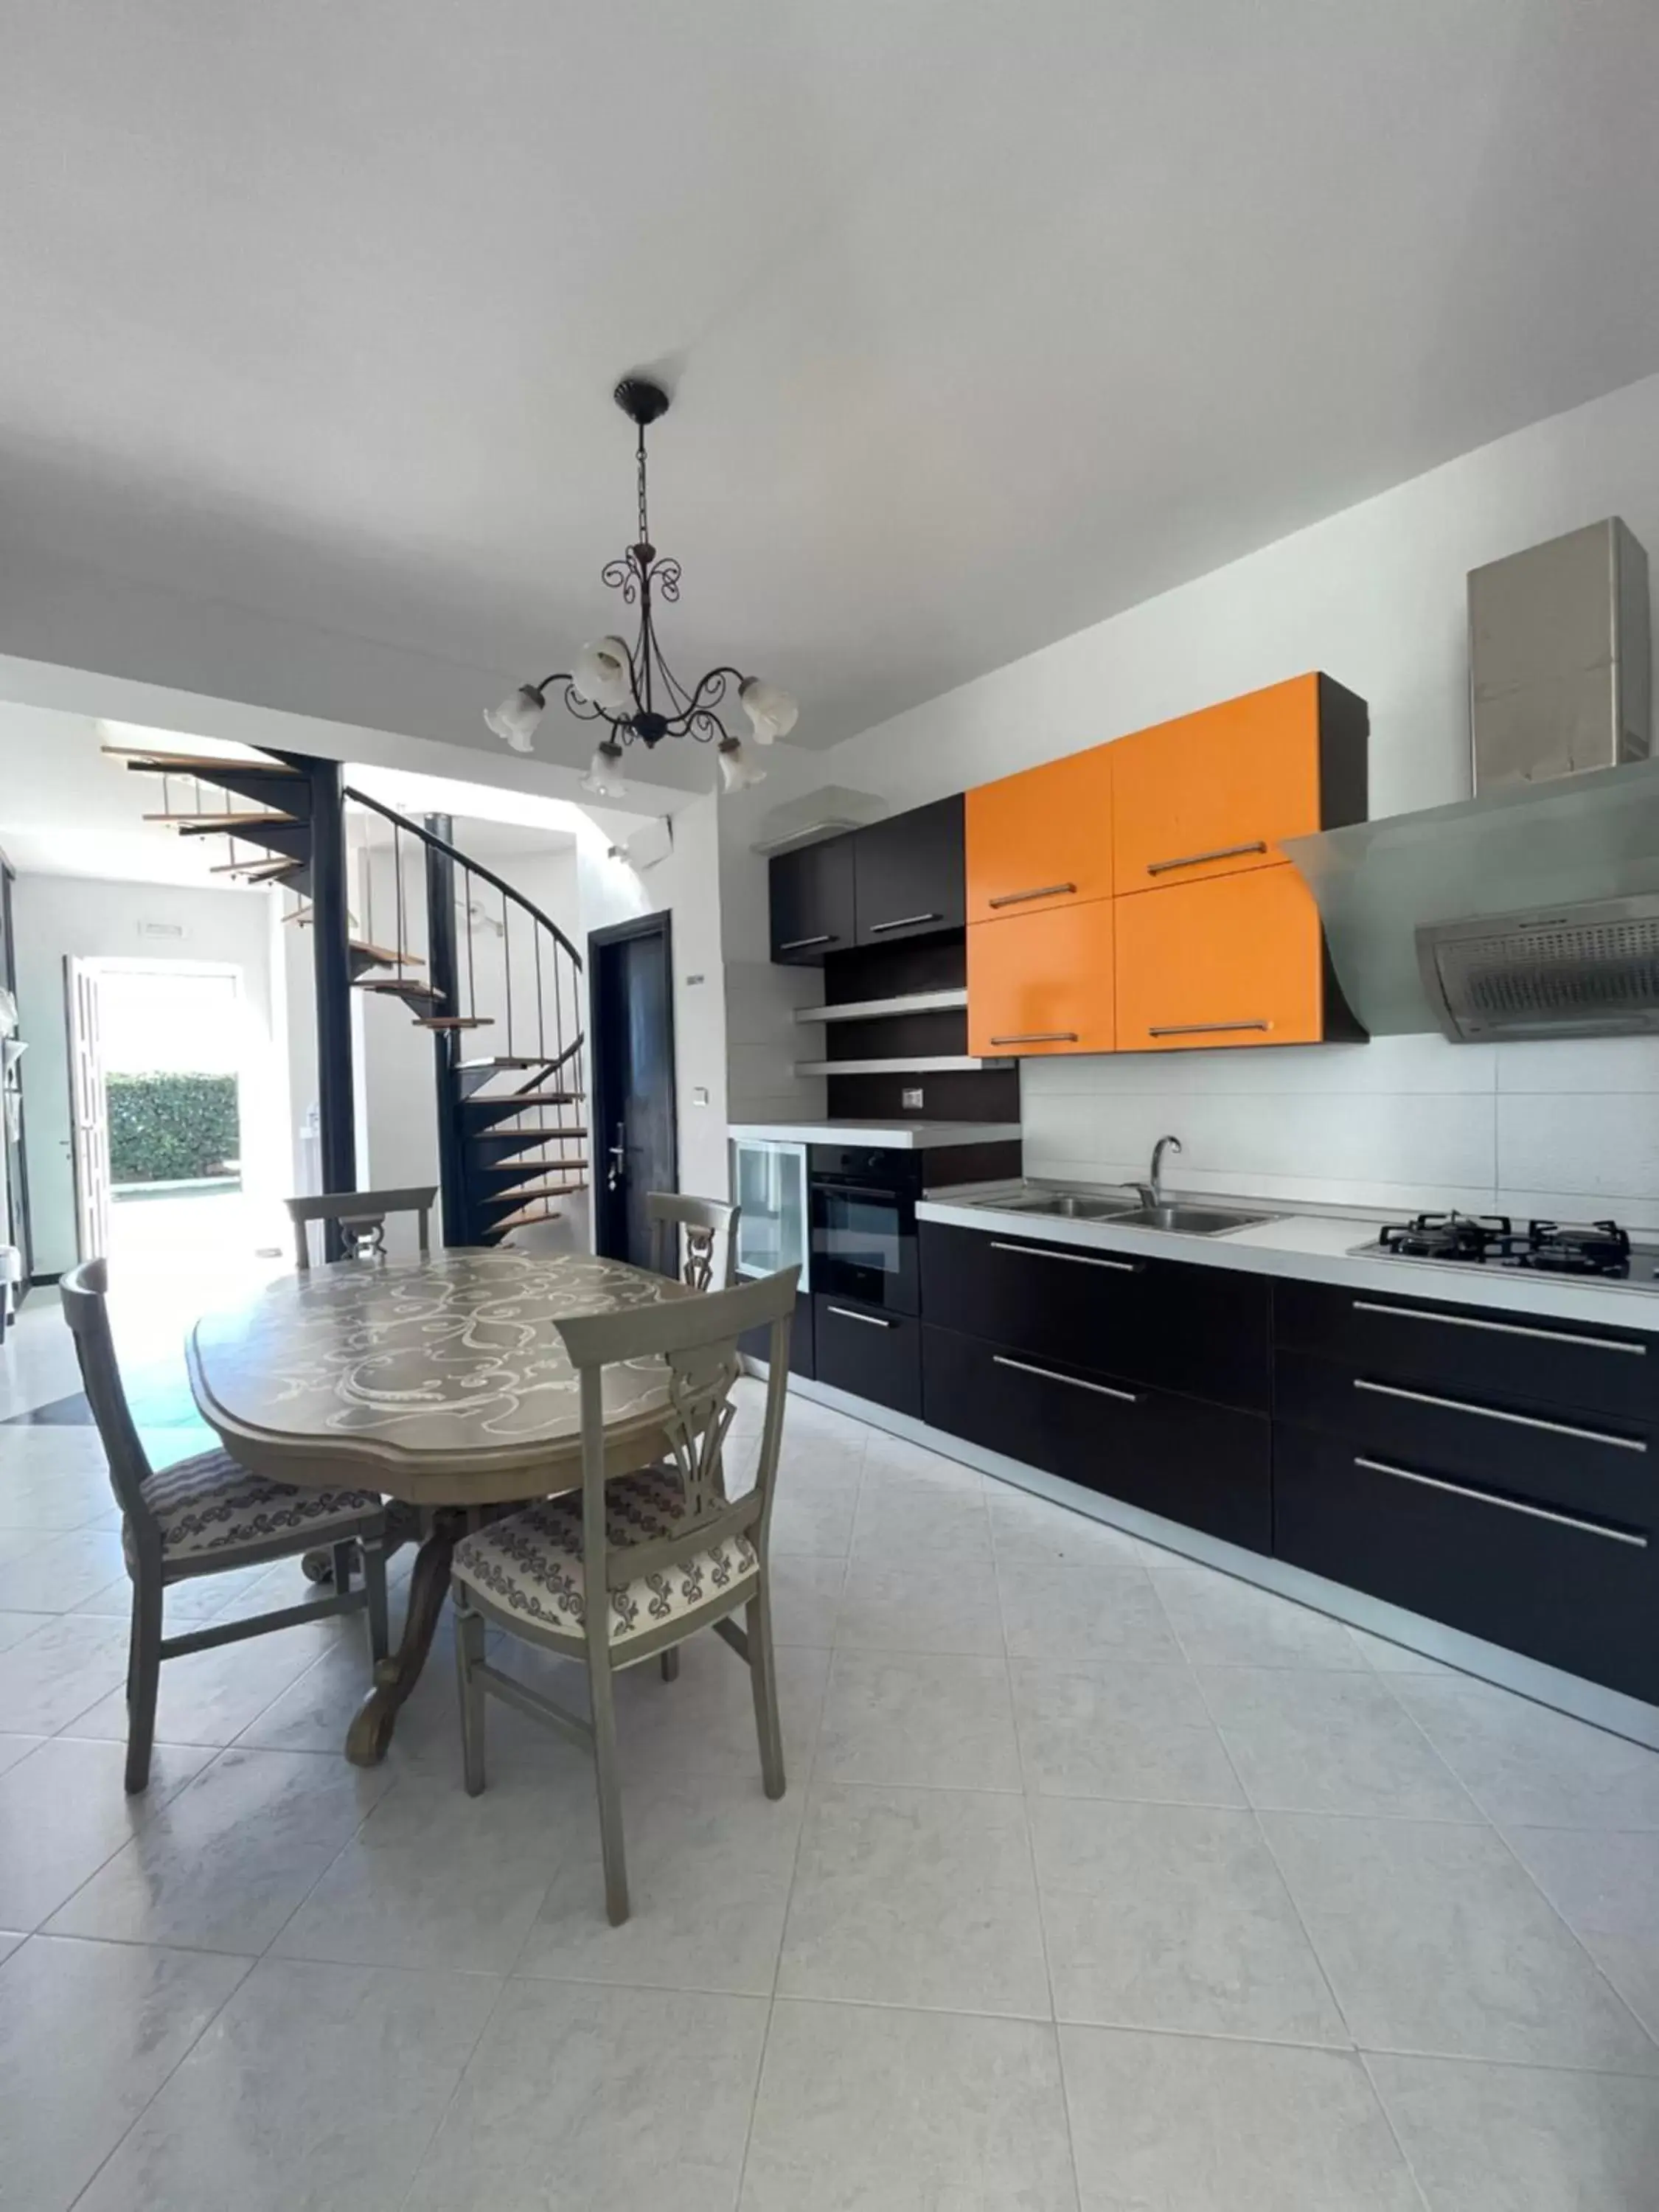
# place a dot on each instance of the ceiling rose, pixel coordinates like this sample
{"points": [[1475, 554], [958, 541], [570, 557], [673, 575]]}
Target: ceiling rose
{"points": [[631, 688]]}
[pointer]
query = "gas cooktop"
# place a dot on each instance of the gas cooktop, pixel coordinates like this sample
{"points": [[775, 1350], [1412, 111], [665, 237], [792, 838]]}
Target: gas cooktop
{"points": [[1599, 1249]]}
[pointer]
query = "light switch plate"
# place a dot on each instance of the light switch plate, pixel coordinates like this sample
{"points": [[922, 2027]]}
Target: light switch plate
{"points": [[911, 1100], [699, 1095]]}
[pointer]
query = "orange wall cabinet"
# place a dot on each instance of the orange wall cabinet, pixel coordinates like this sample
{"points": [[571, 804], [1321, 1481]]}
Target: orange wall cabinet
{"points": [[1041, 983], [1043, 838], [1213, 793], [1236, 961]]}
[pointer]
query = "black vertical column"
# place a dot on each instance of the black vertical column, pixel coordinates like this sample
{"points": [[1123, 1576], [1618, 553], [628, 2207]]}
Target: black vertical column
{"points": [[331, 934], [443, 970]]}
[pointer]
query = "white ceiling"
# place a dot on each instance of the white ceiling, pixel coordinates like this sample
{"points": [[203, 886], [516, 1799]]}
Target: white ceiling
{"points": [[985, 320]]}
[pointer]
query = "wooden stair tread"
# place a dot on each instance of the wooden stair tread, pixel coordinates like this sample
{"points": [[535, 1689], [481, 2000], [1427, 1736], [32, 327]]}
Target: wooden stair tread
{"points": [[215, 820], [256, 871], [395, 987], [506, 1060], [528, 1220], [453, 1022], [383, 953], [182, 763], [515, 1101], [486, 1136], [509, 1167]]}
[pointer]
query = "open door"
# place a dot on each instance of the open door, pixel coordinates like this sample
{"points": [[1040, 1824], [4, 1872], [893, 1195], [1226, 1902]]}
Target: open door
{"points": [[631, 970], [89, 1139]]}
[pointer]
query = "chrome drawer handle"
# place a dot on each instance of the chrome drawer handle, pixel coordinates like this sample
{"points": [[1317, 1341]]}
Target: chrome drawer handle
{"points": [[1496, 1414], [1506, 1505], [1077, 1258], [1039, 1036], [1501, 1327], [903, 922], [800, 944], [1204, 1029], [1101, 1389], [1046, 890], [870, 1320], [1197, 860]]}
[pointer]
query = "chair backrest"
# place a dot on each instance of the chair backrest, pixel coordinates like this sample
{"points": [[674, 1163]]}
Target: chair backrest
{"points": [[84, 1291], [710, 1227], [698, 1340], [361, 1215]]}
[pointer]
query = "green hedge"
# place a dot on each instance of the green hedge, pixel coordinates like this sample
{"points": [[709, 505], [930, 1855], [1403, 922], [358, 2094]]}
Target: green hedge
{"points": [[168, 1128]]}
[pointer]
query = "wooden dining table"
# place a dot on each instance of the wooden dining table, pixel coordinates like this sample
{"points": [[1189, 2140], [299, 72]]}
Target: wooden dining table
{"points": [[441, 1382]]}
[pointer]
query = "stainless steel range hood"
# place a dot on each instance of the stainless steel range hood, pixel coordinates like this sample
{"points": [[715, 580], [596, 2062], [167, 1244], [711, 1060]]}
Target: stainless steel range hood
{"points": [[1531, 909], [1508, 915]]}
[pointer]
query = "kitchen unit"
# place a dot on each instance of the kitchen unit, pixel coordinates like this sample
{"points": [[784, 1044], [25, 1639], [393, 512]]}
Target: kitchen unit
{"points": [[1456, 1421], [898, 878]]}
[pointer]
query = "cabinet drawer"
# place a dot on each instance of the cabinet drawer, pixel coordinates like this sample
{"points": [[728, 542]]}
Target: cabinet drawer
{"points": [[1204, 1466], [1472, 1352], [908, 879], [1043, 838], [872, 1354], [1215, 792], [757, 1342], [1580, 1597], [1201, 1331], [1236, 962], [1040, 984], [1582, 1463], [811, 902]]}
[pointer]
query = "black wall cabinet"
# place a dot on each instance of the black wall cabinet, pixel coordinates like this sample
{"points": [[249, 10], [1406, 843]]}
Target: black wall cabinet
{"points": [[908, 872]]}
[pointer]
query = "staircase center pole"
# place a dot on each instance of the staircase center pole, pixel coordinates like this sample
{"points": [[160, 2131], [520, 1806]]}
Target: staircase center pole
{"points": [[443, 972], [331, 935]]}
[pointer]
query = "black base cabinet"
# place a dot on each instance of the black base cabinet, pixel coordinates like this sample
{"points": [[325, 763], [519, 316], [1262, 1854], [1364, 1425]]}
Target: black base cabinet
{"points": [[1202, 1331], [867, 1353], [1585, 1598], [1209, 1466], [758, 1342]]}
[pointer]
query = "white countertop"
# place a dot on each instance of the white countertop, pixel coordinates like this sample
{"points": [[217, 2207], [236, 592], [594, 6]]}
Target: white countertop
{"points": [[1315, 1248], [906, 1136]]}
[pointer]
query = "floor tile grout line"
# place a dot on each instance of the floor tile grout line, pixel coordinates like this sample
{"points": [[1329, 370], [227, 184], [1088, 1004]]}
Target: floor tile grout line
{"points": [[217, 2013], [461, 2073]]}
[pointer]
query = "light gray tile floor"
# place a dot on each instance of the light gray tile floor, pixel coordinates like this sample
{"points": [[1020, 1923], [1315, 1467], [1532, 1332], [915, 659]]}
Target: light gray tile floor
{"points": [[1103, 1881]]}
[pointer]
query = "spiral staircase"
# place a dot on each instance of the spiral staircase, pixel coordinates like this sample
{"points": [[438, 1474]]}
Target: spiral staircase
{"points": [[512, 1140]]}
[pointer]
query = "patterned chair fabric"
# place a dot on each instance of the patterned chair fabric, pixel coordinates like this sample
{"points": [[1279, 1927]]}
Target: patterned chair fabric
{"points": [[532, 1563], [210, 1504]]}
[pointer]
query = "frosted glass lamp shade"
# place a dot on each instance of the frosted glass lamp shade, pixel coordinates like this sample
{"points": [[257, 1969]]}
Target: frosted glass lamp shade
{"points": [[738, 771], [771, 711], [605, 676], [515, 720], [604, 779]]}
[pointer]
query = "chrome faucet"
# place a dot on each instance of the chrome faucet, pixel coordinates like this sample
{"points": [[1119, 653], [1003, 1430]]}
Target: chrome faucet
{"points": [[1151, 1192]]}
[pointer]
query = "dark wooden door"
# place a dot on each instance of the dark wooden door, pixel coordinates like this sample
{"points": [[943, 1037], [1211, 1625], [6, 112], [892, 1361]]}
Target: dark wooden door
{"points": [[633, 1131], [812, 897], [908, 874]]}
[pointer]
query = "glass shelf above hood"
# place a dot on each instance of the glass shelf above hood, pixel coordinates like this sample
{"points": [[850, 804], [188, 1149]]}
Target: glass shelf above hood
{"points": [[1578, 839]]}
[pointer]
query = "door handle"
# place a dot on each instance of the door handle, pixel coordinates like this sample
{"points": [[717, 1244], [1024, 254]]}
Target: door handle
{"points": [[1039, 1036], [1506, 1505], [870, 1320], [1043, 890], [1197, 860], [619, 1154], [1205, 1029], [800, 944], [904, 922]]}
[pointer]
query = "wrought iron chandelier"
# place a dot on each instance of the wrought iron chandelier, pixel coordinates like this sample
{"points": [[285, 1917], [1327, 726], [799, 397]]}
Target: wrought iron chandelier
{"points": [[631, 688]]}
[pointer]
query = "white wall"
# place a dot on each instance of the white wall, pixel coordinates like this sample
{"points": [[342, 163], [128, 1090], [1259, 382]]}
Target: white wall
{"points": [[1375, 596], [60, 916]]}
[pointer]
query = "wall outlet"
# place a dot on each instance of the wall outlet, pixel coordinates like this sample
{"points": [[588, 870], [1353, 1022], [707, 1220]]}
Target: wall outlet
{"points": [[911, 1100], [699, 1094]]}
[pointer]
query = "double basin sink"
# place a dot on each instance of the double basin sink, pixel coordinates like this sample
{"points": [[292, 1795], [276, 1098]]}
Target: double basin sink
{"points": [[1177, 1214]]}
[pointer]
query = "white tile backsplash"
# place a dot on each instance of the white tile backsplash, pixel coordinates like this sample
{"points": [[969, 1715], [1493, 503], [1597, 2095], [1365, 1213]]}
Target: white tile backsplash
{"points": [[1568, 1130]]}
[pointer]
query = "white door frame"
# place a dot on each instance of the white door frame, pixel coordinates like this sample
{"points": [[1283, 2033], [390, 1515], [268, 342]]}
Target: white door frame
{"points": [[92, 968]]}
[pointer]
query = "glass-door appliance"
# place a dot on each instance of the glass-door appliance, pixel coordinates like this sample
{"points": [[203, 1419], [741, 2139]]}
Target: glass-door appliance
{"points": [[864, 1225], [768, 1185]]}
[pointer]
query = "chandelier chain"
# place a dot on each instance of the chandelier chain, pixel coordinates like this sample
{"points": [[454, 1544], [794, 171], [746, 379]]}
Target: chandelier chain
{"points": [[645, 525]]}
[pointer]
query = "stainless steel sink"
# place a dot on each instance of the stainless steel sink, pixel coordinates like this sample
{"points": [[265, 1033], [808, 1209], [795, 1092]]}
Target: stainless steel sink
{"points": [[1066, 1205], [1196, 1220]]}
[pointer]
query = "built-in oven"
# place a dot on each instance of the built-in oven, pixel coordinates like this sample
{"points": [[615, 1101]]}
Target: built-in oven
{"points": [[864, 1225]]}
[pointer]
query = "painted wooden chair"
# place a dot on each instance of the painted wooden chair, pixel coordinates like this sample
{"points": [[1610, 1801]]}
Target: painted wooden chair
{"points": [[361, 1216], [664, 1552], [204, 1516], [709, 1229]]}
